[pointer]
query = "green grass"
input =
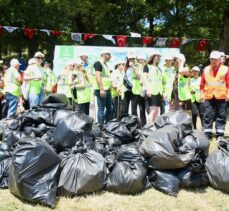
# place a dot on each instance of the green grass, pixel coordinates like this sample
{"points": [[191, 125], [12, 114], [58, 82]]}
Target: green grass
{"points": [[194, 199]]}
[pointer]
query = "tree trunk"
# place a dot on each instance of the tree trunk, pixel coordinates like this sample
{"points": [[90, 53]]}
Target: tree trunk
{"points": [[224, 40]]}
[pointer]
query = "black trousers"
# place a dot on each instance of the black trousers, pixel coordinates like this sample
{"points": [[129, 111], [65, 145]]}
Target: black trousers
{"points": [[215, 110], [197, 108], [84, 107], [139, 101], [162, 107], [128, 97], [117, 105]]}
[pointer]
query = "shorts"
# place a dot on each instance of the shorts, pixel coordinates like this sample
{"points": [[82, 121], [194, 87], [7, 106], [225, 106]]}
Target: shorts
{"points": [[155, 100]]}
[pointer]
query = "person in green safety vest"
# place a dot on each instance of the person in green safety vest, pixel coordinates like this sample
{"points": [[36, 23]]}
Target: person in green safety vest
{"points": [[137, 89], [197, 105], [64, 81], [168, 77], [50, 78], [102, 88], [82, 85], [13, 81], [184, 92], [117, 87], [34, 74], [153, 84]]}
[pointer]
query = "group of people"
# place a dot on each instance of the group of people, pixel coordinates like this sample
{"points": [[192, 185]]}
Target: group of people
{"points": [[137, 85]]}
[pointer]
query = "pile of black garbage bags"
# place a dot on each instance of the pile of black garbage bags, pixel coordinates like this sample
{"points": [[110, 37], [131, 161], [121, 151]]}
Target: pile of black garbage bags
{"points": [[51, 151]]}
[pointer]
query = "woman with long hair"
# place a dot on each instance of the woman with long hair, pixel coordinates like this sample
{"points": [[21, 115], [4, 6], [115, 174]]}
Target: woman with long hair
{"points": [[153, 84]]}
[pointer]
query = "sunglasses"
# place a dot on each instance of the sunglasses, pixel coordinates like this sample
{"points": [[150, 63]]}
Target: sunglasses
{"points": [[39, 58]]}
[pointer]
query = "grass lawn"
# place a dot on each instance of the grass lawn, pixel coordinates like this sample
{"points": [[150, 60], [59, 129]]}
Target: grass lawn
{"points": [[194, 199]]}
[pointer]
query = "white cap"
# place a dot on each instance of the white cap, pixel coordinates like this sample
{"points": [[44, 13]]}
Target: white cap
{"points": [[195, 68], [83, 54], [180, 56], [156, 52], [222, 54], [39, 54], [14, 62], [131, 55], [31, 61], [104, 51], [183, 69], [215, 55], [78, 62], [142, 56], [169, 57], [121, 62]]}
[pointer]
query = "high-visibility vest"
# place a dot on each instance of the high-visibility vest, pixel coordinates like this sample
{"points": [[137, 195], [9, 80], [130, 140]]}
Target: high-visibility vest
{"points": [[105, 76], [12, 86], [155, 80], [195, 87], [64, 84], [168, 79], [83, 93], [137, 87], [50, 79], [215, 86], [184, 92], [118, 77]]}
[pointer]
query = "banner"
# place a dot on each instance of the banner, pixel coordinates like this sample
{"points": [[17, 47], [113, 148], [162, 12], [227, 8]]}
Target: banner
{"points": [[64, 53]]}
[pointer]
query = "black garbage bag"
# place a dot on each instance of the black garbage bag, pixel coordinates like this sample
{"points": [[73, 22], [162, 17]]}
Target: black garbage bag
{"points": [[191, 179], [4, 151], [60, 115], [131, 122], [83, 171], [100, 146], [56, 98], [119, 130], [49, 138], [148, 129], [4, 172], [161, 149], [70, 130], [165, 181], [176, 118], [127, 178], [217, 166], [34, 172], [110, 159], [198, 161], [112, 140], [38, 131]]}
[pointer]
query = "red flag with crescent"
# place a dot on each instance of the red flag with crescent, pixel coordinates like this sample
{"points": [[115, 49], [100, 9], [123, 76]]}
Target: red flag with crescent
{"points": [[202, 44], [30, 32], [121, 40], [175, 42], [87, 36], [147, 40]]}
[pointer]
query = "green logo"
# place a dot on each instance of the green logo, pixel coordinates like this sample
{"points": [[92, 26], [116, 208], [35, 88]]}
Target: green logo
{"points": [[66, 52]]}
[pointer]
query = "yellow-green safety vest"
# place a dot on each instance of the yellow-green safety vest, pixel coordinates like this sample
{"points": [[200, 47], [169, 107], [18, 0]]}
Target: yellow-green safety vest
{"points": [[12, 86], [195, 86], [168, 79], [119, 80], [64, 84], [155, 80], [184, 88], [105, 76], [50, 79], [137, 86], [83, 93]]}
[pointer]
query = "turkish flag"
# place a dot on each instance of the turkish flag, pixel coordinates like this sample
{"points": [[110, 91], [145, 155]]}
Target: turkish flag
{"points": [[147, 40], [175, 42], [121, 40], [87, 36], [29, 32], [202, 44], [56, 33], [1, 30]]}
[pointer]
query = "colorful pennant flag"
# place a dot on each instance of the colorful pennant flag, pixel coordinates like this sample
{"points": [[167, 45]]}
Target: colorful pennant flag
{"points": [[133, 34], [88, 36], [161, 41], [175, 42], [147, 40], [29, 32], [56, 33], [10, 29], [202, 44], [76, 37], [46, 31], [121, 40], [109, 37]]}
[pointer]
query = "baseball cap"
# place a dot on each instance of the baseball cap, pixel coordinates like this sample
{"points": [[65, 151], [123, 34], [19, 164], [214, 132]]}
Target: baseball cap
{"points": [[195, 68], [105, 51], [169, 57], [142, 56], [215, 55], [180, 56], [31, 61], [131, 55], [39, 54], [121, 62], [14, 62], [222, 54]]}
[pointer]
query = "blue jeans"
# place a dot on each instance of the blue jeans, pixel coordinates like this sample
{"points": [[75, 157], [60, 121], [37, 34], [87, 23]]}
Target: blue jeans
{"points": [[12, 102], [36, 99], [103, 103]]}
